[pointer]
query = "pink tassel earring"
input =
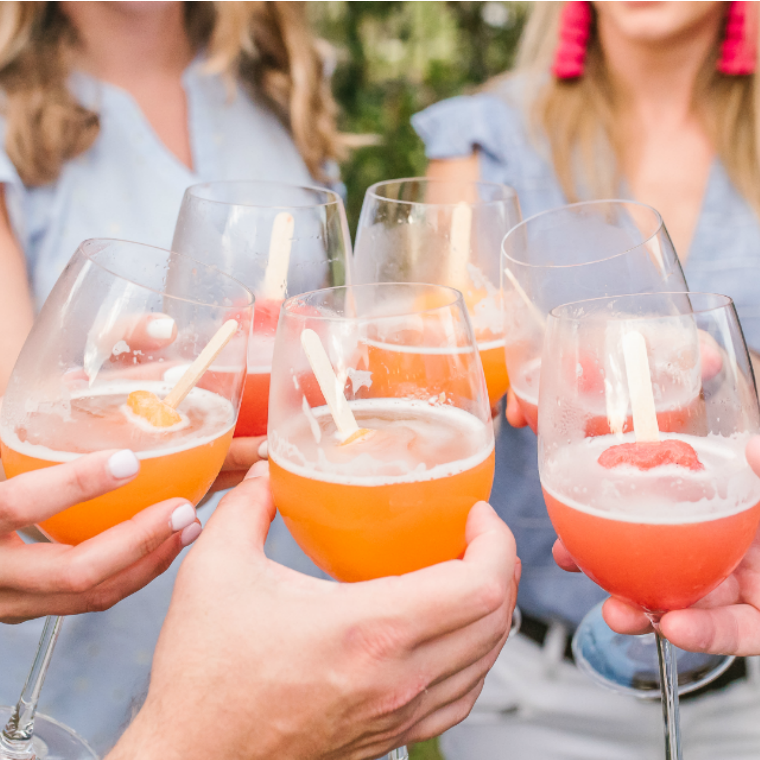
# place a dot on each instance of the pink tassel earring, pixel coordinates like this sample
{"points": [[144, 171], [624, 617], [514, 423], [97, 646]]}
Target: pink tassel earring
{"points": [[574, 31], [738, 53]]}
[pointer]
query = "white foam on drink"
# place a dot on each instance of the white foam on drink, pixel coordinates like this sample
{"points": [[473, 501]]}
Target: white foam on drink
{"points": [[419, 416], [525, 383], [216, 407], [668, 494], [488, 345], [425, 350]]}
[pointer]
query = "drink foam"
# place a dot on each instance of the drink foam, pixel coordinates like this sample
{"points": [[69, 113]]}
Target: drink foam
{"points": [[668, 494], [294, 446]]}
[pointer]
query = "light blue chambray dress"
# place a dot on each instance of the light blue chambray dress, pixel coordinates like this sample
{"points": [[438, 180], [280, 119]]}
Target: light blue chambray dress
{"points": [[128, 185], [724, 258]]}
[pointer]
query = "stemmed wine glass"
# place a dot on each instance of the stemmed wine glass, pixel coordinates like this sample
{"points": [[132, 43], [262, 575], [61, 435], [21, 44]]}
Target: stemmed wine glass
{"points": [[120, 319], [278, 240], [589, 250], [447, 233], [393, 496], [646, 405]]}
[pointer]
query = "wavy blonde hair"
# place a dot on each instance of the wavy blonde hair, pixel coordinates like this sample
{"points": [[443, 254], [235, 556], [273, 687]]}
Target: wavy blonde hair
{"points": [[265, 46], [578, 117]]}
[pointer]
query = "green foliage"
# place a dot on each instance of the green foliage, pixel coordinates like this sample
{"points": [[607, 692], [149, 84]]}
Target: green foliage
{"points": [[394, 59], [425, 751]]}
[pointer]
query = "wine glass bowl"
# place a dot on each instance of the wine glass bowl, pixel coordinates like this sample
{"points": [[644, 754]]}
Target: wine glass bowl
{"points": [[277, 239], [446, 233], [581, 251], [407, 363]]}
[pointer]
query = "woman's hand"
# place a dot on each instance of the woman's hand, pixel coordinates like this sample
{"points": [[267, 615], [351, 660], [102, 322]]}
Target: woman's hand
{"points": [[55, 579], [726, 621], [243, 454], [279, 664]]}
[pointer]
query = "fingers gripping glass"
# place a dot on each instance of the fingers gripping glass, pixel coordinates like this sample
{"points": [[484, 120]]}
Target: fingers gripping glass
{"points": [[122, 318], [646, 405], [380, 434]]}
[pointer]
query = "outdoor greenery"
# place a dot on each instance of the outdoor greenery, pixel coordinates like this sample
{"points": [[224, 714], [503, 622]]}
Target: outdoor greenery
{"points": [[393, 59]]}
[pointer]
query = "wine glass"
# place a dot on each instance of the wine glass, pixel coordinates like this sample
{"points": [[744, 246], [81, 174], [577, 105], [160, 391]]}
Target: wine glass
{"points": [[405, 365], [121, 318], [447, 233], [646, 405], [277, 239], [589, 250]]}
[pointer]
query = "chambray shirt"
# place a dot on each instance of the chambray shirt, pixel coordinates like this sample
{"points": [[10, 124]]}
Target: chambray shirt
{"points": [[128, 185], [724, 258]]}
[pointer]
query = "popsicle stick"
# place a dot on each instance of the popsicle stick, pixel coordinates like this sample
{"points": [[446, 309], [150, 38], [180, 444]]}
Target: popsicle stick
{"points": [[203, 361], [535, 313], [461, 226], [276, 274], [331, 389], [640, 388]]}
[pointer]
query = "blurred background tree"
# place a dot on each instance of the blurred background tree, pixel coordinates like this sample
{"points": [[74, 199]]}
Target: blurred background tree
{"points": [[392, 59]]}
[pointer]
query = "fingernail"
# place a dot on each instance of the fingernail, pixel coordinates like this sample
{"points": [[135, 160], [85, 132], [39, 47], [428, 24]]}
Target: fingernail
{"points": [[161, 328], [190, 533], [264, 450], [259, 469], [182, 517], [123, 464]]}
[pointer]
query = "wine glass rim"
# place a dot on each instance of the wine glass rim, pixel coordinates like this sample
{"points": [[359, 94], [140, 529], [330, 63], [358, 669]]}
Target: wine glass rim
{"points": [[333, 197], [617, 201], [510, 196], [456, 300], [721, 302], [89, 255]]}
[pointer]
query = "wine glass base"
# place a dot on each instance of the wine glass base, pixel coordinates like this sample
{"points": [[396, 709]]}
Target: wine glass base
{"points": [[54, 741], [629, 665]]}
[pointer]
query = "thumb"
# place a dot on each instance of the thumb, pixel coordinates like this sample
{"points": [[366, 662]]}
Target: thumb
{"points": [[246, 512]]}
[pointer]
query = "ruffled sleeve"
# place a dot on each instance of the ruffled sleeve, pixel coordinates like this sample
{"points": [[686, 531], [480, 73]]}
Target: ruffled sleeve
{"points": [[456, 127]]}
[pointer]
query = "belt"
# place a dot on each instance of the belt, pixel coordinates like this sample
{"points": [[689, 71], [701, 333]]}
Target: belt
{"points": [[536, 630]]}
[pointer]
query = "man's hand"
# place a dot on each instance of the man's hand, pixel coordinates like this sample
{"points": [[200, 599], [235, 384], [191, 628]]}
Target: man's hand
{"points": [[258, 661]]}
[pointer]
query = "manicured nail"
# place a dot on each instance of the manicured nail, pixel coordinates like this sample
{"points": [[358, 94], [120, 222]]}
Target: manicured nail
{"points": [[123, 464], [161, 328], [259, 469], [264, 450], [182, 517], [190, 533]]}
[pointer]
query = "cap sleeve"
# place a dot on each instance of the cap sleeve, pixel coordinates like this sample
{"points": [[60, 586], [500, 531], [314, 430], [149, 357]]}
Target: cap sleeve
{"points": [[455, 128]]}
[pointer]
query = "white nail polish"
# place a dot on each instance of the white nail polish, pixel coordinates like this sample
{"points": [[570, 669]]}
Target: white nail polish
{"points": [[182, 517], [123, 464], [161, 328], [264, 451], [190, 533]]}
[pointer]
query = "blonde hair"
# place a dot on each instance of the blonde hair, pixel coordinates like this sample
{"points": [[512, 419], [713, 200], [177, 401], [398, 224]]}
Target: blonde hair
{"points": [[264, 46], [578, 117]]}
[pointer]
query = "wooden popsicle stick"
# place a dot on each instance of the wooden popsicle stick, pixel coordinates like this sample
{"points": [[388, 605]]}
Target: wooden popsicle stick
{"points": [[640, 388], [202, 362], [331, 389], [461, 226], [537, 315], [276, 274]]}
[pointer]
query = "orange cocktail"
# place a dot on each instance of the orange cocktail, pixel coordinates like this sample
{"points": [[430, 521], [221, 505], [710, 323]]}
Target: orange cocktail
{"points": [[660, 539], [494, 368], [180, 461], [392, 504]]}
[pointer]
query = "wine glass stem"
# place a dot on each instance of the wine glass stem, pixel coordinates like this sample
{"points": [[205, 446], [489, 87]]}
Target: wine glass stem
{"points": [[398, 754], [16, 738], [669, 689]]}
